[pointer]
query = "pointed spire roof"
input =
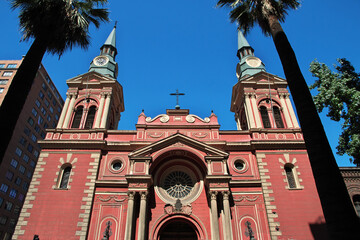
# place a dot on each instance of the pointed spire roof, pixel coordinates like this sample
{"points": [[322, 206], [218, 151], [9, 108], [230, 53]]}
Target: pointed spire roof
{"points": [[111, 40], [249, 64], [105, 62], [242, 42]]}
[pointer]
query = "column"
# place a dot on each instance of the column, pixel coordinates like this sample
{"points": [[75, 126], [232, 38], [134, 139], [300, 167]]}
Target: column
{"points": [[106, 111], [291, 110], [100, 110], [214, 217], [248, 109], [256, 111], [64, 110], [227, 215], [142, 216], [130, 216], [286, 111], [69, 111]]}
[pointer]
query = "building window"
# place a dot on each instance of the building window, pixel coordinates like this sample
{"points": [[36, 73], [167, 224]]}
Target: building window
{"points": [[2, 65], [49, 95], [46, 103], [26, 158], [16, 209], [34, 112], [90, 117], [7, 74], [26, 131], [11, 65], [1, 90], [290, 175], [14, 163], [42, 134], [30, 121], [48, 118], [278, 120], [9, 175], [8, 206], [18, 151], [28, 174], [25, 186], [4, 188], [51, 109], [37, 103], [30, 148], [21, 197], [1, 201], [13, 193], [3, 220], [43, 111], [41, 95], [33, 138], [40, 120], [22, 141], [44, 86], [36, 153], [22, 169], [265, 117], [32, 164], [12, 223], [18, 181], [65, 177], [77, 117], [3, 82], [37, 128]]}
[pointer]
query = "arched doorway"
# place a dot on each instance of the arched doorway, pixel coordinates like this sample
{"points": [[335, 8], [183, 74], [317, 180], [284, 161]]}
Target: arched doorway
{"points": [[178, 230]]}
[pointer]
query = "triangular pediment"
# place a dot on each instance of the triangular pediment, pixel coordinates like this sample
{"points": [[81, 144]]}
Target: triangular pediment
{"points": [[90, 79], [178, 138], [263, 78]]}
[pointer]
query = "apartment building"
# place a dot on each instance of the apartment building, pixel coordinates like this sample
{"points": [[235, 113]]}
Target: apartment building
{"points": [[41, 111]]}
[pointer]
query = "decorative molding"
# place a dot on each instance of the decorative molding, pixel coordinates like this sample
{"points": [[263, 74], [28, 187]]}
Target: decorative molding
{"points": [[246, 198], [164, 118], [191, 118], [200, 134], [170, 209], [115, 198], [155, 135]]}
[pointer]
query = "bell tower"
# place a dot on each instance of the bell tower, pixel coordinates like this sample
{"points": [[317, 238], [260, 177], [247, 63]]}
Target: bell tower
{"points": [[260, 100], [95, 99]]}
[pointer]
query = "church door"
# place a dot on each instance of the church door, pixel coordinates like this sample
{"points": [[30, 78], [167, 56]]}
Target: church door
{"points": [[178, 230]]}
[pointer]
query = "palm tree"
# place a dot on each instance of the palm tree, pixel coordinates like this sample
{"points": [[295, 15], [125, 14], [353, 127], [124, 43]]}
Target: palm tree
{"points": [[55, 26], [342, 221]]}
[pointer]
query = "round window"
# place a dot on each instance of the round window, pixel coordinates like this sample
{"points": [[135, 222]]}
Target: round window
{"points": [[178, 184], [116, 165], [239, 165]]}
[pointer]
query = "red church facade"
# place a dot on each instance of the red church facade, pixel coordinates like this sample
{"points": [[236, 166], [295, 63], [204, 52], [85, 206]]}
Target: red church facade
{"points": [[177, 176]]}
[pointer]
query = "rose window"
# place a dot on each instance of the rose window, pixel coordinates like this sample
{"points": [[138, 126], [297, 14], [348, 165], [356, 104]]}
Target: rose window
{"points": [[178, 184]]}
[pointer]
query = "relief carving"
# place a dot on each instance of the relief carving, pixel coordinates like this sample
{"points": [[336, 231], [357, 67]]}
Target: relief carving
{"points": [[107, 199], [246, 198]]}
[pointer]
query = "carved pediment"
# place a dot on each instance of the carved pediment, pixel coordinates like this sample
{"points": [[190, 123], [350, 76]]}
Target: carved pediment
{"points": [[178, 138], [90, 79]]}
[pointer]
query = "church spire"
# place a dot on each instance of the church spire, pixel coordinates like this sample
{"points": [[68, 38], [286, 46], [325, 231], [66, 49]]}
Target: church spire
{"points": [[105, 62], [249, 64]]}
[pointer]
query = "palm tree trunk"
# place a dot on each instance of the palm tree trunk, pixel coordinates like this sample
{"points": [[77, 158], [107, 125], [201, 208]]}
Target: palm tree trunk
{"points": [[18, 91], [342, 221]]}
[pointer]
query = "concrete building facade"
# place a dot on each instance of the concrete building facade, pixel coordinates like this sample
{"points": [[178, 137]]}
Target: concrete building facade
{"points": [[42, 110]]}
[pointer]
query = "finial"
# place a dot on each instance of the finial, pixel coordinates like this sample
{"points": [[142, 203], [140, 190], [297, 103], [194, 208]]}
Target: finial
{"points": [[142, 110], [177, 94], [115, 24], [212, 111]]}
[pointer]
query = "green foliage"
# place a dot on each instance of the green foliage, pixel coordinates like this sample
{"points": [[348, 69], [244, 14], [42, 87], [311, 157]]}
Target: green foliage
{"points": [[60, 24], [249, 12], [340, 92]]}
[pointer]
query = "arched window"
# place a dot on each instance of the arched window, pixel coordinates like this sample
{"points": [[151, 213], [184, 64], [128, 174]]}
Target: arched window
{"points": [[278, 120], [290, 175], [265, 117], [77, 117], [90, 117], [65, 176], [356, 201]]}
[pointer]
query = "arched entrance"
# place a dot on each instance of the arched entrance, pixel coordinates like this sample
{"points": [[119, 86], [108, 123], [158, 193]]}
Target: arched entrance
{"points": [[178, 230]]}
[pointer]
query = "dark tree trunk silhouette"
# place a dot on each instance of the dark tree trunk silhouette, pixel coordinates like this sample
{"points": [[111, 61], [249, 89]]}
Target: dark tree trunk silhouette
{"points": [[342, 221], [18, 91]]}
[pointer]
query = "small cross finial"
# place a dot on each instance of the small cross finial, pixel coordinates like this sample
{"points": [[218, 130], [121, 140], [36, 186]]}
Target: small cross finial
{"points": [[115, 24], [177, 94]]}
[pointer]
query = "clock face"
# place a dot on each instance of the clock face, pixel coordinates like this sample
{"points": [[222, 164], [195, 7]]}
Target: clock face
{"points": [[101, 60], [253, 62]]}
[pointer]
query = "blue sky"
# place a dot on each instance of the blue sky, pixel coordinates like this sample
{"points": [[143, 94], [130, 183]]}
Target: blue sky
{"points": [[191, 45]]}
